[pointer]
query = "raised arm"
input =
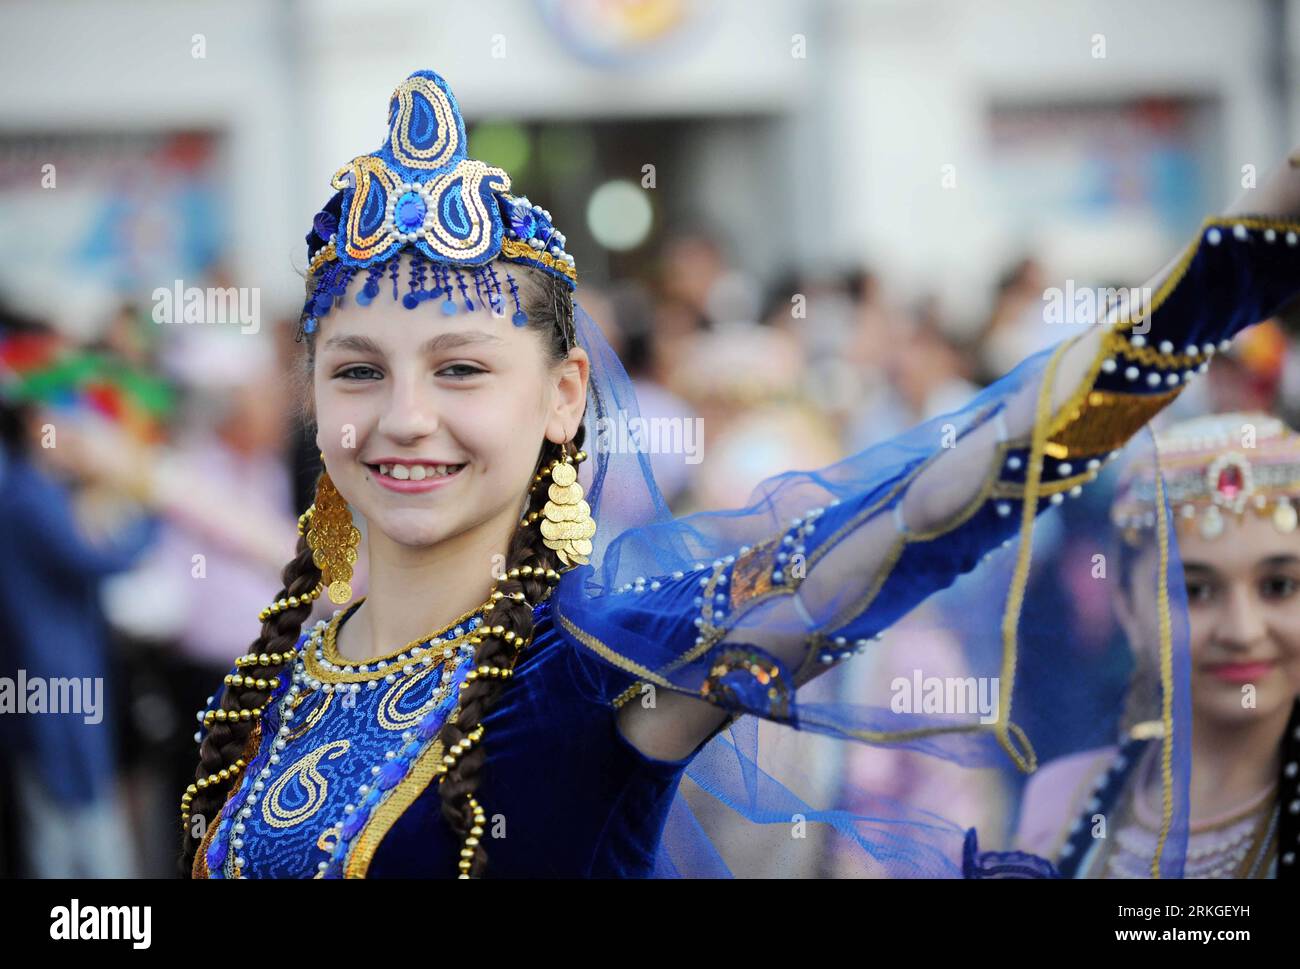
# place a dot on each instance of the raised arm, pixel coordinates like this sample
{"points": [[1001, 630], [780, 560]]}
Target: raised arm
{"points": [[1045, 430]]}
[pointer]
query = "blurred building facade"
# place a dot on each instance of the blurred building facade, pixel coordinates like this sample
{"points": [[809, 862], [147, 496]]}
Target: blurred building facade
{"points": [[812, 132]]}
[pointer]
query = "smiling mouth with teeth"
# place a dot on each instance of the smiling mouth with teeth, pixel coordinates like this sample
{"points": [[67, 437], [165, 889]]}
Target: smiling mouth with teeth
{"points": [[415, 472]]}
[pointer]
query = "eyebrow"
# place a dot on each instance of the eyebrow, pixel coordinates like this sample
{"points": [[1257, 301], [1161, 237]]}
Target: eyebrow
{"points": [[437, 344], [1272, 562]]}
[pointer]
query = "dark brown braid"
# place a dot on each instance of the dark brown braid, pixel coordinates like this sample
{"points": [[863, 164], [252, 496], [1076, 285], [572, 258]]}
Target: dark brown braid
{"points": [[508, 615], [226, 740], [549, 306]]}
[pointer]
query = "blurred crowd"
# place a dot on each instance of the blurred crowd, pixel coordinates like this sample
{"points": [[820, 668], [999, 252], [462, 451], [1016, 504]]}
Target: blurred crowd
{"points": [[150, 483]]}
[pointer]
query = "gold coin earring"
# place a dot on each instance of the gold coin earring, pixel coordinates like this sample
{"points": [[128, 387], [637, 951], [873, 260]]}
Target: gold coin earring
{"points": [[566, 523], [333, 540]]}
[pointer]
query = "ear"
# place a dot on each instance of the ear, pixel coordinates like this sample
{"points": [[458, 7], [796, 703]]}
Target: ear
{"points": [[1126, 612], [569, 399], [1123, 606]]}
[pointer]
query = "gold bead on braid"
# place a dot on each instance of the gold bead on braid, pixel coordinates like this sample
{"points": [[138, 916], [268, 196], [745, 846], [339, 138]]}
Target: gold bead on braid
{"points": [[458, 750], [510, 636], [527, 571], [449, 760], [291, 602], [230, 716], [498, 595], [248, 682], [495, 672], [267, 659], [225, 774], [475, 832]]}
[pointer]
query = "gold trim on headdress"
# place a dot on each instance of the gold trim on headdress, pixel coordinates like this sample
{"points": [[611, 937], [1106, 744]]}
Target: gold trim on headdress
{"points": [[1215, 466]]}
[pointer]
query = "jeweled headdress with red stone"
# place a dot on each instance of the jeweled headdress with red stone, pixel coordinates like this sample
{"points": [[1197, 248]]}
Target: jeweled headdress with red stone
{"points": [[1236, 463]]}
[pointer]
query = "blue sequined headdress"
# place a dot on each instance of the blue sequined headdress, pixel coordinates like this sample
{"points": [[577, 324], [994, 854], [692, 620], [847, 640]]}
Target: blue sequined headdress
{"points": [[420, 192]]}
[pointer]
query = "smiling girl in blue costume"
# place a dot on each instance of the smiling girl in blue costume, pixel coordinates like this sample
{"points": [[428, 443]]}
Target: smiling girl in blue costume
{"points": [[544, 652]]}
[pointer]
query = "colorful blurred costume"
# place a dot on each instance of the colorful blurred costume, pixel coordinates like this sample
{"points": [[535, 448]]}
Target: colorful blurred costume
{"points": [[736, 607], [53, 631]]}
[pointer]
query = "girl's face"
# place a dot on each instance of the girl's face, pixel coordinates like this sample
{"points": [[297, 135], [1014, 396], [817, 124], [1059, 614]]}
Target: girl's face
{"points": [[403, 396], [1243, 598]]}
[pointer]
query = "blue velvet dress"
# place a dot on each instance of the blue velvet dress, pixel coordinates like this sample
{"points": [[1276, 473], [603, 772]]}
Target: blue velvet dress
{"points": [[603, 818]]}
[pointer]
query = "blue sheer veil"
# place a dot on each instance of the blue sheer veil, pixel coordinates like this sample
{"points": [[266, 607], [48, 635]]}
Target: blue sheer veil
{"points": [[839, 777]]}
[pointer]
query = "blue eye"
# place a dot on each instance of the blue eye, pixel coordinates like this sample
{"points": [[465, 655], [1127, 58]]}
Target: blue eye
{"points": [[462, 366], [358, 372]]}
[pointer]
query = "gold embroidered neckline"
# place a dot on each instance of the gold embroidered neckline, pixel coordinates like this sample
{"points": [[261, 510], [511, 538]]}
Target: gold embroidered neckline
{"points": [[331, 667], [330, 639]]}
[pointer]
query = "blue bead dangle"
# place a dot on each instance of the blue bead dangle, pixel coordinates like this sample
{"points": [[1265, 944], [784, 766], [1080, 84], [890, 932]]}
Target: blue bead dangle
{"points": [[341, 283], [520, 318], [393, 265], [464, 291], [480, 281], [323, 298], [424, 292], [444, 284], [371, 288], [322, 301], [331, 288], [412, 299], [495, 297]]}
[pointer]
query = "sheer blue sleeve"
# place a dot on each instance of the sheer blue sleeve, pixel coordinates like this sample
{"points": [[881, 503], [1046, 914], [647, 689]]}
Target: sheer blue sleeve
{"points": [[747, 608], [742, 607]]}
